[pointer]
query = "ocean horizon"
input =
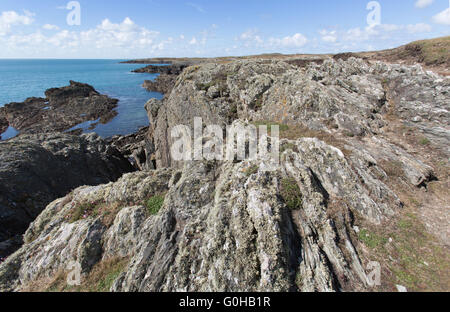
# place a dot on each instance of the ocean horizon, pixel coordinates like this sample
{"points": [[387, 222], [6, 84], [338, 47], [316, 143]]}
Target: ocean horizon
{"points": [[24, 78]]}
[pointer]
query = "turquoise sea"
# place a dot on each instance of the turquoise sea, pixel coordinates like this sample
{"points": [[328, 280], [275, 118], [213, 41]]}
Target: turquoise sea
{"points": [[20, 79]]}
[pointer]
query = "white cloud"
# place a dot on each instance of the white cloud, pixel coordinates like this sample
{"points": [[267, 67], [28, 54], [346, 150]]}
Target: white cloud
{"points": [[251, 37], [108, 39], [8, 19], [193, 41], [418, 28], [443, 17], [297, 40], [423, 3], [50, 27], [125, 34], [384, 31], [328, 36]]}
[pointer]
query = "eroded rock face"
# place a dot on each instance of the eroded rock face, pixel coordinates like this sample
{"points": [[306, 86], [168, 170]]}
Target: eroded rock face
{"points": [[164, 83], [3, 125], [349, 100], [134, 147], [173, 69], [236, 226], [224, 226], [37, 169], [62, 109]]}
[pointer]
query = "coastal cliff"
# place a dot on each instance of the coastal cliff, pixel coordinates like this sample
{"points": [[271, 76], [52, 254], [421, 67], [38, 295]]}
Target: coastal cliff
{"points": [[363, 177]]}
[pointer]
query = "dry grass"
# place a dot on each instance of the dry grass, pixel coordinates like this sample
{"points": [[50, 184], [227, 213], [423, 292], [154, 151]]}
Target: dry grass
{"points": [[434, 54], [408, 254], [107, 212], [100, 279], [297, 131]]}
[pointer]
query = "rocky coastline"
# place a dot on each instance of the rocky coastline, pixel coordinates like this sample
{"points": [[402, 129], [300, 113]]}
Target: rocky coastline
{"points": [[4, 124], [61, 109], [363, 176], [174, 69], [39, 168], [164, 84]]}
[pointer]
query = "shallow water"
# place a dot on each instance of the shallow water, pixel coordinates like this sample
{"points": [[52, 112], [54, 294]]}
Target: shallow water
{"points": [[9, 133]]}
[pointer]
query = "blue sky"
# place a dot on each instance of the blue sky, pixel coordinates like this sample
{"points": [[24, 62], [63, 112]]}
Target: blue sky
{"points": [[147, 28]]}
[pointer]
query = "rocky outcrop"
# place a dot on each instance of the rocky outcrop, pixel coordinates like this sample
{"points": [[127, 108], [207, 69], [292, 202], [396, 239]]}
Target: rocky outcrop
{"points": [[173, 69], [239, 225], [4, 124], [163, 84], [37, 169], [134, 147], [349, 100], [224, 226], [62, 109]]}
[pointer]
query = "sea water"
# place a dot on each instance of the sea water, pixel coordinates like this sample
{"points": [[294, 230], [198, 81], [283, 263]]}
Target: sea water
{"points": [[20, 79]]}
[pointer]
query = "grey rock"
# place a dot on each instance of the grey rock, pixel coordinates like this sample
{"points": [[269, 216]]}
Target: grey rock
{"points": [[62, 109], [37, 169]]}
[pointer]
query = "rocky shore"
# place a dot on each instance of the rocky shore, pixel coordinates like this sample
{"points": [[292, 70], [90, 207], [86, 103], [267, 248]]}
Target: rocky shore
{"points": [[363, 178], [37, 169], [175, 69], [4, 124], [164, 84], [61, 109]]}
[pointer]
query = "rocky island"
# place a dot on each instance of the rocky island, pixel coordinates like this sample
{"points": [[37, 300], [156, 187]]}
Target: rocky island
{"points": [[61, 109], [363, 177]]}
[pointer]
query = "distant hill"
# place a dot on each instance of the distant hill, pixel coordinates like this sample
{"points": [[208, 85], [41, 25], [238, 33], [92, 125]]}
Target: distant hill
{"points": [[432, 53]]}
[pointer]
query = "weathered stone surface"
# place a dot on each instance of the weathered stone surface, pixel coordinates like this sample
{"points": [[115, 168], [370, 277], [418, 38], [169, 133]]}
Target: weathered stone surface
{"points": [[235, 226], [347, 99], [223, 227], [164, 83], [134, 147], [62, 109], [37, 169], [4, 124], [173, 69]]}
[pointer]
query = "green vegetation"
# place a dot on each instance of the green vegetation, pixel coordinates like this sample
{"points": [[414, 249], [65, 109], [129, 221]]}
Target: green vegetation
{"points": [[424, 141], [154, 204], [83, 211], [100, 279], [269, 125], [291, 193], [111, 274], [252, 170], [412, 257], [371, 240]]}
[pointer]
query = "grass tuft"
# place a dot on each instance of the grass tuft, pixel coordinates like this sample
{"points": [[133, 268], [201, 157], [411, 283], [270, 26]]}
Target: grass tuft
{"points": [[154, 204], [291, 193]]}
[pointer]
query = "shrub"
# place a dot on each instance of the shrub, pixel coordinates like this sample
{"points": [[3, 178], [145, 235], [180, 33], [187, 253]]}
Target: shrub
{"points": [[291, 193]]}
